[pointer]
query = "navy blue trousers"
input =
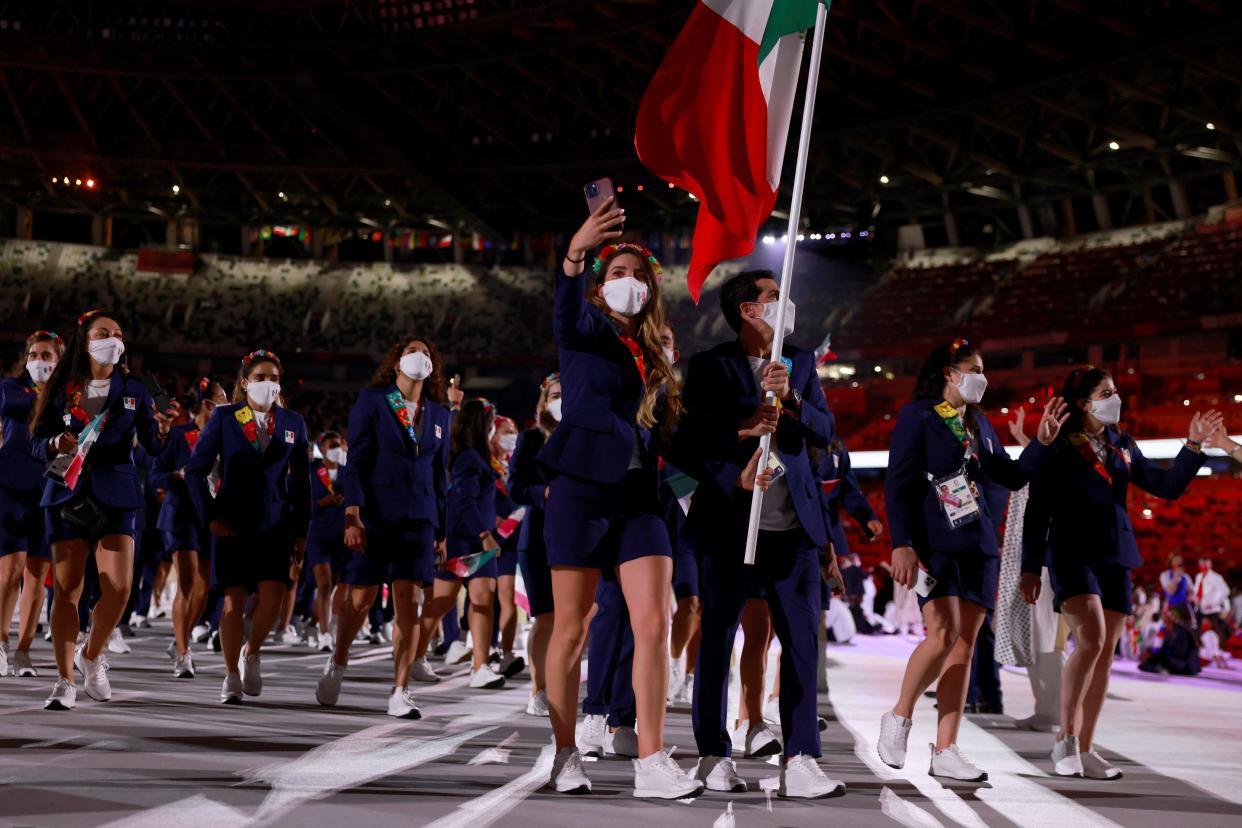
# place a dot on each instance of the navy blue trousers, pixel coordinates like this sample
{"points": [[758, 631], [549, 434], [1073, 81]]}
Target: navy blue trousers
{"points": [[787, 574], [610, 657]]}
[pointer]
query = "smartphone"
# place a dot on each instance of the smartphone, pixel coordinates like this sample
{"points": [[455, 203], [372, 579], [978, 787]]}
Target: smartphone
{"points": [[924, 584], [163, 402], [599, 191]]}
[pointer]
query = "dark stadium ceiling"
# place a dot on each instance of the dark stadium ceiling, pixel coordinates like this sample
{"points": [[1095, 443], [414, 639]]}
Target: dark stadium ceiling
{"points": [[490, 114]]}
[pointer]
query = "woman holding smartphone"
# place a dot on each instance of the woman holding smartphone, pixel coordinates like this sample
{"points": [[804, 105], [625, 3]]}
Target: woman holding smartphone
{"points": [[258, 514], [395, 483], [943, 452], [1076, 523], [604, 508], [85, 423], [528, 486], [184, 534], [24, 553]]}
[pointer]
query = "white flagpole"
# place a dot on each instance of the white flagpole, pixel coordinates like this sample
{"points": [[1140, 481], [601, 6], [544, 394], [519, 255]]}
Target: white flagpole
{"points": [[791, 242]]}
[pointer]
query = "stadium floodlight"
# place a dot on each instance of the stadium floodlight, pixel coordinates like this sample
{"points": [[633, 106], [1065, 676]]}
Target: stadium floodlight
{"points": [[884, 179], [1210, 125], [1113, 145]]}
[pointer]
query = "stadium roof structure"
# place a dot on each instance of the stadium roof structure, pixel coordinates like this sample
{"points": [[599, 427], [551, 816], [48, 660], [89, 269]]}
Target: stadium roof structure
{"points": [[489, 115]]}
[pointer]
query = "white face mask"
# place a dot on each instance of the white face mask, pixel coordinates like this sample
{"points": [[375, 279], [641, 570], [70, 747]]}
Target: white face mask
{"points": [[626, 296], [263, 394], [770, 309], [670, 355], [972, 387], [336, 455], [554, 408], [106, 351], [1107, 411], [508, 443], [416, 365], [40, 370]]}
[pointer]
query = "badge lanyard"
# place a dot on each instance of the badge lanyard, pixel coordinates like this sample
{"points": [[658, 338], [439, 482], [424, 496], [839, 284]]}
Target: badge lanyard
{"points": [[245, 418], [397, 403]]}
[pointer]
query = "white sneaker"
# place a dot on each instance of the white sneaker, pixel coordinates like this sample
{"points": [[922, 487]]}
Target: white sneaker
{"points": [[718, 773], [1066, 760], [200, 633], [951, 763], [401, 704], [511, 665], [183, 668], [94, 675], [458, 652], [136, 620], [1095, 766], [590, 735], [171, 650], [687, 691], [22, 667], [761, 742], [290, 635], [5, 666], [251, 674], [802, 778], [894, 734], [567, 774], [117, 643], [64, 696], [621, 742], [421, 670], [659, 777], [231, 691], [1040, 724], [485, 678], [328, 690], [538, 704], [676, 681], [158, 612], [325, 642]]}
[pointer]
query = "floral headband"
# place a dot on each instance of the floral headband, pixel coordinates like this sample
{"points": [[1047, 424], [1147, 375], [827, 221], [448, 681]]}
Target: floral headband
{"points": [[88, 316], [487, 405], [555, 376], [39, 336], [628, 247], [327, 435], [253, 355], [957, 345]]}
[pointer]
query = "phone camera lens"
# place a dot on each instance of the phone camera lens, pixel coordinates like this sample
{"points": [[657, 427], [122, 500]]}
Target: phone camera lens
{"points": [[592, 190]]}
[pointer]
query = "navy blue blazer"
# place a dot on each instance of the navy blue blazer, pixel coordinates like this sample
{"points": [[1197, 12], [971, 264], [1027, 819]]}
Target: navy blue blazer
{"points": [[602, 391], [922, 444], [386, 476], [1074, 515], [528, 485], [177, 511], [327, 522], [110, 465], [835, 465], [21, 471], [258, 491], [471, 503], [721, 392]]}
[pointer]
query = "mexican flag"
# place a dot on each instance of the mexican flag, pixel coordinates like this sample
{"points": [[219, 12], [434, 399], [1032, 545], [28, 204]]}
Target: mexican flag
{"points": [[716, 116]]}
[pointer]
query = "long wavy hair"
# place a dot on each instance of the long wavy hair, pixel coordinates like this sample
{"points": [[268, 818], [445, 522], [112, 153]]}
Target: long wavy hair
{"points": [[58, 345], [470, 427], [73, 367], [434, 387], [1080, 385], [931, 381], [651, 320]]}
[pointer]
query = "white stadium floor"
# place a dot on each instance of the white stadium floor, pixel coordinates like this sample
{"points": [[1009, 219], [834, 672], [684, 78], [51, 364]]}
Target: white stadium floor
{"points": [[164, 753]]}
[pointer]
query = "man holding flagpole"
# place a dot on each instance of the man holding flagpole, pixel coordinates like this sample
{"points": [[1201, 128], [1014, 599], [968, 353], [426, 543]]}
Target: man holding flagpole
{"points": [[726, 415]]}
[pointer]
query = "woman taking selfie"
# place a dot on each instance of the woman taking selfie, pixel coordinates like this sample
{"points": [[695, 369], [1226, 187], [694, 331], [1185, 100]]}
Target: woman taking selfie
{"points": [[1076, 524], [85, 423], [24, 554], [943, 453], [604, 510], [395, 484], [185, 535], [258, 515]]}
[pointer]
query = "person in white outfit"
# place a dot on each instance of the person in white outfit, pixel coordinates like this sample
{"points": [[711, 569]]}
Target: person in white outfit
{"points": [[1210, 594]]}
